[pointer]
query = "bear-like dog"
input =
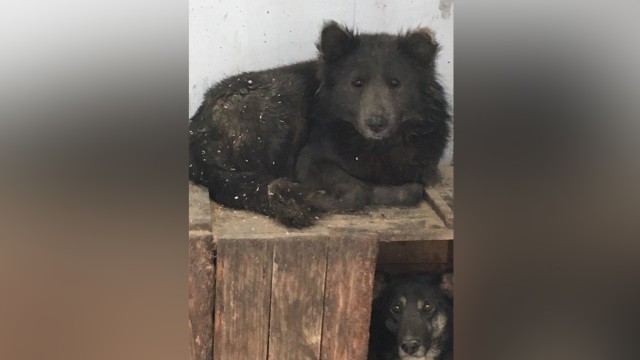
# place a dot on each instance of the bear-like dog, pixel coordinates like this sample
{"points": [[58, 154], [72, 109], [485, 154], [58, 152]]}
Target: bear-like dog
{"points": [[364, 124]]}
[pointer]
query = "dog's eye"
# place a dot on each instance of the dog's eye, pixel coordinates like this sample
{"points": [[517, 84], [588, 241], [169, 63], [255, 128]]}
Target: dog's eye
{"points": [[394, 83], [427, 307], [357, 83], [396, 308]]}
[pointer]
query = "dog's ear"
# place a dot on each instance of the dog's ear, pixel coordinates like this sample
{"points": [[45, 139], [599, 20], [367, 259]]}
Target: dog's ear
{"points": [[420, 44], [446, 284], [380, 282], [335, 41]]}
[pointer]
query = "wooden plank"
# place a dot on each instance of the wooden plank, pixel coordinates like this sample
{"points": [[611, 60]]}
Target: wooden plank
{"points": [[243, 292], [388, 223], [201, 296], [413, 252], [391, 224], [441, 207], [447, 176], [201, 273], [401, 268], [297, 296], [199, 208], [347, 305]]}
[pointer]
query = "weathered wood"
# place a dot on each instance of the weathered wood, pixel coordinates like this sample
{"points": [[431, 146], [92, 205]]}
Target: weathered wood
{"points": [[414, 252], [199, 208], [441, 196], [447, 176], [387, 223], [306, 294], [407, 268], [441, 207], [201, 274], [297, 295], [391, 224], [347, 306], [243, 293], [201, 285], [192, 345]]}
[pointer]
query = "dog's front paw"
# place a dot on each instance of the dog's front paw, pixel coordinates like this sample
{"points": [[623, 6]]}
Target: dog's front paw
{"points": [[404, 195], [342, 198], [287, 203], [410, 194]]}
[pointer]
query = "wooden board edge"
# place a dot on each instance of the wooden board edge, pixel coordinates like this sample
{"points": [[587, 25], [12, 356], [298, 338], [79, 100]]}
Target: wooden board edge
{"points": [[440, 206]]}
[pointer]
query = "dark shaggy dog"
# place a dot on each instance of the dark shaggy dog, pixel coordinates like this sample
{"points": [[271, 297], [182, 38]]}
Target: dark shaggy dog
{"points": [[365, 124], [412, 318]]}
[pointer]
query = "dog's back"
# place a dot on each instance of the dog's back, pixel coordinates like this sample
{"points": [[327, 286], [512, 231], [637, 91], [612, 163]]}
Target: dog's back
{"points": [[412, 318]]}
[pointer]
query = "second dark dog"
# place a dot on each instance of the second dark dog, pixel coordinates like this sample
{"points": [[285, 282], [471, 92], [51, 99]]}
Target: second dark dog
{"points": [[412, 317]]}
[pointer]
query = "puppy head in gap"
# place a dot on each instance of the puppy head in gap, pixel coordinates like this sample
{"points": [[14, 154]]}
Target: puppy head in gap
{"points": [[418, 312], [375, 81]]}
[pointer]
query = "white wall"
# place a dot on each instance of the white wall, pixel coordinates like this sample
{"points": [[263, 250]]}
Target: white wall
{"points": [[231, 36]]}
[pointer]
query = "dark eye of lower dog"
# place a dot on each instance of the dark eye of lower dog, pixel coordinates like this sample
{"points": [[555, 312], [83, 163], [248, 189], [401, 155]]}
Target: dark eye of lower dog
{"points": [[357, 83], [396, 308], [394, 83], [427, 307]]}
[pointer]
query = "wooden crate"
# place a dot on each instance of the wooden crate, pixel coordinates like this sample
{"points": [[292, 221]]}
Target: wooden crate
{"points": [[261, 291]]}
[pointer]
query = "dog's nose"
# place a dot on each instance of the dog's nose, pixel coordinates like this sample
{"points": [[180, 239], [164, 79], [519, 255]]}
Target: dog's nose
{"points": [[377, 123], [410, 347]]}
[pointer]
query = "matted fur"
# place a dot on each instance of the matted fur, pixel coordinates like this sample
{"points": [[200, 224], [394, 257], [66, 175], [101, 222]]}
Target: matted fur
{"points": [[296, 141]]}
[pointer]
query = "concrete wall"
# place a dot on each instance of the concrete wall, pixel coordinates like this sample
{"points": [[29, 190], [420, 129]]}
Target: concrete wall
{"points": [[230, 36]]}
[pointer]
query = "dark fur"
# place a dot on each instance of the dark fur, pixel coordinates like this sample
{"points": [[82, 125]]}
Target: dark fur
{"points": [[389, 330], [292, 141]]}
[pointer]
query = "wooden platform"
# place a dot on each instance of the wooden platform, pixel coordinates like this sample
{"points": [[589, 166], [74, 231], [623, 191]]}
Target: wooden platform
{"points": [[259, 290], [432, 220]]}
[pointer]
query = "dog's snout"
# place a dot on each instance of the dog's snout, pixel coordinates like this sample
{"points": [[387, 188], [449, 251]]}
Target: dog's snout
{"points": [[410, 347], [377, 123]]}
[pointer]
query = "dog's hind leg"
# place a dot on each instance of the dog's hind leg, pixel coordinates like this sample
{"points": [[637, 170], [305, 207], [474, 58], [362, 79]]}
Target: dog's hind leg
{"points": [[281, 198]]}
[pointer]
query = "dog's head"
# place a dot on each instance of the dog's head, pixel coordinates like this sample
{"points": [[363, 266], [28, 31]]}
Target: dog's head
{"points": [[377, 82], [417, 312]]}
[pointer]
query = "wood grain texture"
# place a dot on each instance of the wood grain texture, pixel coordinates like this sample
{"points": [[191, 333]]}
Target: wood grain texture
{"points": [[388, 223], [402, 268], [440, 197], [436, 197], [297, 297], [201, 296], [414, 252], [306, 294], [199, 208], [201, 274], [347, 306], [243, 293], [415, 256]]}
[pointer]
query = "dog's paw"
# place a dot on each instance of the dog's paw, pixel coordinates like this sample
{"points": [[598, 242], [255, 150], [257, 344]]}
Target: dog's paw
{"points": [[352, 197], [287, 203], [404, 195], [410, 194], [342, 198]]}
